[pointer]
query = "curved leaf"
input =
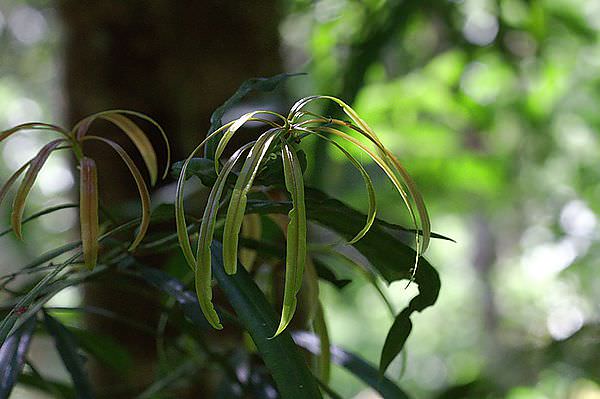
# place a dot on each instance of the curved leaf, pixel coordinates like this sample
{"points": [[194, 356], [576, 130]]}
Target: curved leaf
{"points": [[251, 229], [35, 166], [280, 354], [295, 258], [141, 185], [11, 180], [237, 204], [32, 126], [88, 211], [205, 236]]}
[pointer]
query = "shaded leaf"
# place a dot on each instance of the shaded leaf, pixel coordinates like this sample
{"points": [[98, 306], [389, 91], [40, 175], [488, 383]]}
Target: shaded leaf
{"points": [[354, 364], [66, 345], [12, 356], [250, 85], [288, 367], [88, 211]]}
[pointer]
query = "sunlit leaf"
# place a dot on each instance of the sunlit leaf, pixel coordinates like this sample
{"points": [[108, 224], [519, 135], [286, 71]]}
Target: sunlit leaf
{"points": [[237, 204], [88, 211], [35, 166], [295, 258], [203, 267]]}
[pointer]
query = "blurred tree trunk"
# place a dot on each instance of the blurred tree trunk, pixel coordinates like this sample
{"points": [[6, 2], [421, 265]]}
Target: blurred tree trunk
{"points": [[175, 61]]}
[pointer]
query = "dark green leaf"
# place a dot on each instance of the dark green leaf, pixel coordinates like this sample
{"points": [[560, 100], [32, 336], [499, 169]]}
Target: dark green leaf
{"points": [[354, 364], [250, 85], [288, 367], [327, 274], [12, 356], [66, 344], [109, 352]]}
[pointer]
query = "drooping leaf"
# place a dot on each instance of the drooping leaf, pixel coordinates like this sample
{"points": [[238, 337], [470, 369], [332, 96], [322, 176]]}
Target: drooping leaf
{"points": [[136, 135], [35, 166], [66, 345], [203, 275], [251, 229], [88, 211], [250, 85], [295, 257], [43, 212], [237, 204], [12, 356], [354, 364], [182, 231], [140, 140], [324, 357], [32, 126], [11, 180], [281, 356], [141, 186]]}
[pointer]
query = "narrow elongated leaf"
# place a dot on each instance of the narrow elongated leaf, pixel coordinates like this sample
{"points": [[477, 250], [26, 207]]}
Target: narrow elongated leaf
{"points": [[237, 204], [43, 212], [66, 345], [12, 356], [136, 135], [354, 364], [295, 257], [280, 354], [11, 180], [237, 124], [140, 140], [32, 126], [372, 213], [35, 166], [88, 211], [182, 232], [203, 270], [141, 185], [324, 357], [250, 85]]}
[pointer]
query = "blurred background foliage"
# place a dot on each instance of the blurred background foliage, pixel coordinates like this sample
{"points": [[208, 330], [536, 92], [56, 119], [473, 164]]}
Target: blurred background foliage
{"points": [[491, 105]]}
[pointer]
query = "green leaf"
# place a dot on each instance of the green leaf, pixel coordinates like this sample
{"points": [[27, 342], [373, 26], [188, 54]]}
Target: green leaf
{"points": [[280, 354], [429, 287], [295, 258], [325, 273], [105, 349], [88, 211], [250, 85], [12, 356], [205, 236], [66, 345], [354, 364], [202, 168], [43, 212], [237, 204]]}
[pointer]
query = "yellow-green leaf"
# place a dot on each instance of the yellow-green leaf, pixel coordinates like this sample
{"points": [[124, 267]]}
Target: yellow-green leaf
{"points": [[252, 229], [205, 236], [88, 211], [237, 205], [295, 258]]}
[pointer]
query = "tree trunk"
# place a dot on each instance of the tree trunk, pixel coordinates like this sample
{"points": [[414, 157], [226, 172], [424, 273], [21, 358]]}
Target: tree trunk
{"points": [[176, 62]]}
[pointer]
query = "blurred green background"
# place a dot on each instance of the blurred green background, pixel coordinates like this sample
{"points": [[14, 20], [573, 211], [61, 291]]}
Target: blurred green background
{"points": [[493, 108]]}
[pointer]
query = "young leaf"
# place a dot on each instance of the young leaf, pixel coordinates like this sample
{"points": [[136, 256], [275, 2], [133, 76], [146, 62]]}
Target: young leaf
{"points": [[66, 345], [182, 231], [140, 140], [237, 205], [35, 166], [11, 180], [141, 185], [88, 211], [12, 356], [296, 235], [205, 236]]}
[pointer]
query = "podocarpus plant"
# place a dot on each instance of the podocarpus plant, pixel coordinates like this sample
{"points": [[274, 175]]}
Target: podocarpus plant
{"points": [[254, 185]]}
